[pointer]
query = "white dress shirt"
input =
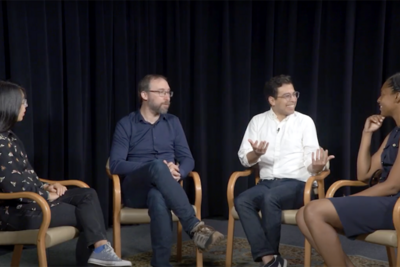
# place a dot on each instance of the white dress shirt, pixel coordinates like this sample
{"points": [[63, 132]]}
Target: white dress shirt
{"points": [[291, 143]]}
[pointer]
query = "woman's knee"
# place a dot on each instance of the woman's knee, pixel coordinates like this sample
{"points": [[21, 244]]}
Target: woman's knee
{"points": [[321, 210], [88, 193], [313, 210], [300, 216]]}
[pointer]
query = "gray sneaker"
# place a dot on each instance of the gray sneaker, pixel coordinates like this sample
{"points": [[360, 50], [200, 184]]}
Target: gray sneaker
{"points": [[205, 236], [107, 257], [278, 262]]}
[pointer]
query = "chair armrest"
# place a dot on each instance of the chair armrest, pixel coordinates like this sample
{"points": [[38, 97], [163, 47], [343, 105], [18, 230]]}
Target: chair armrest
{"points": [[42, 204], [197, 189], [396, 218], [336, 185], [66, 182], [321, 186], [116, 192], [231, 185]]}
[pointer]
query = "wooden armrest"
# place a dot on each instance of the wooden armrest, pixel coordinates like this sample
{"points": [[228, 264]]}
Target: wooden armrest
{"points": [[336, 185], [42, 204], [321, 186], [396, 218], [231, 185], [198, 194], [66, 182], [117, 199]]}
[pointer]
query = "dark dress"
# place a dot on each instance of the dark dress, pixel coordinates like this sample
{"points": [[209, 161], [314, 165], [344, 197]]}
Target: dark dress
{"points": [[362, 214]]}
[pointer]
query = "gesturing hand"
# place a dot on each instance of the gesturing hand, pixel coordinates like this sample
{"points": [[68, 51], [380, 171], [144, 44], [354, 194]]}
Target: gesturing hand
{"points": [[321, 158], [259, 148], [174, 169], [373, 123], [57, 188]]}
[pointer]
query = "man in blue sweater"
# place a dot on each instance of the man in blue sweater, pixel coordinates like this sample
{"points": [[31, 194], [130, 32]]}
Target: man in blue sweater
{"points": [[150, 151]]}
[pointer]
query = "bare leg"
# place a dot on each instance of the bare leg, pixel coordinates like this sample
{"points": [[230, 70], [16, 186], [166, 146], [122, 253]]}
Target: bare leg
{"points": [[267, 259], [304, 229], [100, 243], [318, 221]]}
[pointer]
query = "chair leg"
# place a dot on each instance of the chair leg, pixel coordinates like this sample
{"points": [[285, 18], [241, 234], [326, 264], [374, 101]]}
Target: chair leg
{"points": [[229, 241], [179, 242], [16, 256], [117, 238], [41, 250], [307, 254], [199, 258], [391, 256]]}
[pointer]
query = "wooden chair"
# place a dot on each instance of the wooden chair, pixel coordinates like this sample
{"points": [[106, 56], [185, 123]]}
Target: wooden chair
{"points": [[388, 238], [125, 215], [44, 237], [288, 216]]}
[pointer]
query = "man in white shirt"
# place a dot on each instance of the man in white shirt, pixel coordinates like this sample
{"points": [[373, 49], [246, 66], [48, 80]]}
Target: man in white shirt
{"points": [[284, 144]]}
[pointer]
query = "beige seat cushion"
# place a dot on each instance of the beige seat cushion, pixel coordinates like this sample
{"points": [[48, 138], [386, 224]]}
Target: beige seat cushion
{"points": [[288, 216], [380, 237], [140, 216], [54, 236]]}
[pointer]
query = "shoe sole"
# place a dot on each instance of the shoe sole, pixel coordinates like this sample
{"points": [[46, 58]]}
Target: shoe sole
{"points": [[211, 241], [107, 263]]}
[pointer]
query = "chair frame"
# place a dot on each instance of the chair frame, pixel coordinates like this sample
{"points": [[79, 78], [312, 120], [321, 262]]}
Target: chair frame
{"points": [[41, 237], [319, 178], [393, 260], [117, 206]]}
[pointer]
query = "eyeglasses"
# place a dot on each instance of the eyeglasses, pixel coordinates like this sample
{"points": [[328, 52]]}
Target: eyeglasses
{"points": [[163, 93], [288, 96], [25, 102]]}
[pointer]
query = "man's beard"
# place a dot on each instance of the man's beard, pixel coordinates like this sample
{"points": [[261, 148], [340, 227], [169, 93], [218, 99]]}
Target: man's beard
{"points": [[159, 109]]}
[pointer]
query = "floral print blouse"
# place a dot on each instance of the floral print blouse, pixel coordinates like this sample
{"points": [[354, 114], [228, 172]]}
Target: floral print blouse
{"points": [[17, 175]]}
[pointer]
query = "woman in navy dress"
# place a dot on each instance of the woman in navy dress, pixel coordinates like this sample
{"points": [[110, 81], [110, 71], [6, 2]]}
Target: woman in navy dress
{"points": [[370, 209]]}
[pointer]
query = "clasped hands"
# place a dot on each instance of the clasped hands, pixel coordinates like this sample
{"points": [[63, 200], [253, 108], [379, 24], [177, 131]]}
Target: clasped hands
{"points": [[56, 190], [319, 158], [174, 169]]}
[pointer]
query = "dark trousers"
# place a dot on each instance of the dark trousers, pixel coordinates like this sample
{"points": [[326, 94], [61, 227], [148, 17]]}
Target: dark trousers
{"points": [[78, 207], [270, 197], [153, 187]]}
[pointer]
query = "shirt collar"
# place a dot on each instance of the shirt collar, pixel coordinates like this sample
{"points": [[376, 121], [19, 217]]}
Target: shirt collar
{"points": [[139, 117], [6, 133]]}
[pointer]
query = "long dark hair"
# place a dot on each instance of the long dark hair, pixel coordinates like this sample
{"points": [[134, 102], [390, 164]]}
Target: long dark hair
{"points": [[11, 97]]}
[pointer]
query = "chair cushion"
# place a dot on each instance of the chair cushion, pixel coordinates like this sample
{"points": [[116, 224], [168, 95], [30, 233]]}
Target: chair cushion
{"points": [[54, 236], [380, 237], [140, 216], [288, 216]]}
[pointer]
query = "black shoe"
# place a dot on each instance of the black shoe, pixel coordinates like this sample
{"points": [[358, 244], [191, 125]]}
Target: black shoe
{"points": [[278, 261]]}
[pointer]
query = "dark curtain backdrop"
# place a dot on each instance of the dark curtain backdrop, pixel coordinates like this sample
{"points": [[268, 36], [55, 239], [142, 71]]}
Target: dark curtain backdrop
{"points": [[80, 63]]}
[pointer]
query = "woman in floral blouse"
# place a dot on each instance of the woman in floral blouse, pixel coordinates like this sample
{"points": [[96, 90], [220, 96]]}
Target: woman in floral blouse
{"points": [[78, 207]]}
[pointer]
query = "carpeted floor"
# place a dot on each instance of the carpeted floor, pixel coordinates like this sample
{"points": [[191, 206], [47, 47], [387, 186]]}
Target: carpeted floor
{"points": [[242, 256]]}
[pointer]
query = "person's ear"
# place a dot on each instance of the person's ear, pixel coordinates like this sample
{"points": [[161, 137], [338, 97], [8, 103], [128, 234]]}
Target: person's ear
{"points": [[272, 101], [144, 95]]}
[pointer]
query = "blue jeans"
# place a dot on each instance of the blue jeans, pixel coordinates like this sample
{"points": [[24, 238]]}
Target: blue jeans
{"points": [[270, 197], [153, 187]]}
